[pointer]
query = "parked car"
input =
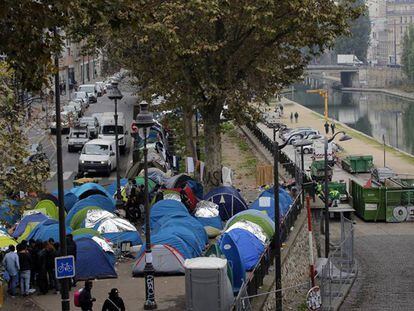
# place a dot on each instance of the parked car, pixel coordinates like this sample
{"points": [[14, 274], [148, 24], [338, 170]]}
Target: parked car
{"points": [[78, 137], [286, 130], [301, 132], [99, 86], [82, 96], [67, 118], [90, 89], [97, 156], [93, 125], [78, 107], [306, 149]]}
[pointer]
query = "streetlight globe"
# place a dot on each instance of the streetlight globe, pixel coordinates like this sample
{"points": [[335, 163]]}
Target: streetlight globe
{"points": [[114, 92], [144, 117]]}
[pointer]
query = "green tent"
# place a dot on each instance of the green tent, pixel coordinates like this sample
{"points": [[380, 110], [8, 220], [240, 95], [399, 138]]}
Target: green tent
{"points": [[79, 217], [86, 231], [257, 217], [6, 240], [48, 208], [140, 181]]}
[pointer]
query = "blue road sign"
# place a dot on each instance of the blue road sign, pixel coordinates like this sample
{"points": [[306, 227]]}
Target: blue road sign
{"points": [[65, 267]]}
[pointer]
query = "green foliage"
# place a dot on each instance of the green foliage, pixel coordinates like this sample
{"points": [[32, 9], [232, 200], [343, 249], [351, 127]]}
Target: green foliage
{"points": [[407, 57], [16, 174], [357, 40]]}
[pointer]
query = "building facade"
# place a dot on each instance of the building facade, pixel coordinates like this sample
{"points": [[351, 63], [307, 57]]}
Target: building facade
{"points": [[378, 49]]}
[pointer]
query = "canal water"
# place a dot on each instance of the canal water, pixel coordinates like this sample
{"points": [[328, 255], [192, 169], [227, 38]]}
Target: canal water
{"points": [[374, 114]]}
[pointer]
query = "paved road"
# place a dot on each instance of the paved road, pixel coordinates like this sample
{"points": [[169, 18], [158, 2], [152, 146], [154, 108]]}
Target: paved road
{"points": [[385, 279], [70, 160]]}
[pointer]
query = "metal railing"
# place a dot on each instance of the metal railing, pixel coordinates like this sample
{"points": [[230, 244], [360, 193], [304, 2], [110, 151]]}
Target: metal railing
{"points": [[255, 280], [340, 269]]}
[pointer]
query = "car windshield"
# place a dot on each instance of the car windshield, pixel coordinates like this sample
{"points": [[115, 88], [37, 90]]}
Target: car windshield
{"points": [[87, 89], [110, 129], [80, 94], [78, 135], [96, 149]]}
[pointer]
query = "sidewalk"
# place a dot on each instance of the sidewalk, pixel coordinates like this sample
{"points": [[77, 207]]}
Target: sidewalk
{"points": [[399, 161]]}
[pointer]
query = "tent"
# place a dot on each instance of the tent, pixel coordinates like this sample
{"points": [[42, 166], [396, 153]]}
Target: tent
{"points": [[207, 213], [92, 260], [9, 211], [178, 181], [88, 189], [137, 168], [21, 227], [111, 227], [78, 219], [69, 199], [228, 199], [157, 175], [29, 228], [249, 246], [256, 217], [111, 189], [265, 202], [140, 181], [166, 261], [50, 196], [6, 240], [48, 208], [85, 232], [163, 208], [45, 230]]}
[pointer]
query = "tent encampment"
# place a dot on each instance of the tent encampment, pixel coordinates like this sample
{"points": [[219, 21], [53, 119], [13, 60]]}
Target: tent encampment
{"points": [[166, 261], [256, 217], [265, 202], [89, 189], [6, 240], [228, 199], [46, 230], [48, 208], [163, 208], [112, 187], [207, 213], [178, 181], [92, 260], [86, 232], [69, 199], [9, 211], [78, 219]]}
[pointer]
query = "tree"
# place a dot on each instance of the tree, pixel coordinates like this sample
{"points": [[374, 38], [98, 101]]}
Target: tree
{"points": [[16, 173], [407, 57], [219, 52], [358, 38]]}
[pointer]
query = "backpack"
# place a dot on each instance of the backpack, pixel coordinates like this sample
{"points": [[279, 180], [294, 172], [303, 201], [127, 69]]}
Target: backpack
{"points": [[76, 297]]}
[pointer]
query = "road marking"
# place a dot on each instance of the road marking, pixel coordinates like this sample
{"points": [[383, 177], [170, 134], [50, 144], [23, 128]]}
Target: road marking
{"points": [[66, 175]]}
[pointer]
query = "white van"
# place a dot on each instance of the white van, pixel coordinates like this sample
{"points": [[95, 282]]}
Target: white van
{"points": [[107, 129], [97, 156]]}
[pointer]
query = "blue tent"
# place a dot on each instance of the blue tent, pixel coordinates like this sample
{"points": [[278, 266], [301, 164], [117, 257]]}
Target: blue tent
{"points": [[9, 211], [97, 200], [112, 187], [119, 237], [47, 229], [187, 222], [92, 262], [88, 189], [249, 246], [69, 199], [38, 217], [265, 202], [214, 222], [196, 187], [228, 199], [166, 208], [162, 238]]}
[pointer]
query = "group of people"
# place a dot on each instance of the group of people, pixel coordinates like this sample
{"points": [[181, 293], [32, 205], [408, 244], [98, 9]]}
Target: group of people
{"points": [[294, 115], [327, 126], [32, 265], [113, 303], [135, 200]]}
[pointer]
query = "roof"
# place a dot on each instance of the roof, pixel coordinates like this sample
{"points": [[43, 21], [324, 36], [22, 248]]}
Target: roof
{"points": [[99, 141]]}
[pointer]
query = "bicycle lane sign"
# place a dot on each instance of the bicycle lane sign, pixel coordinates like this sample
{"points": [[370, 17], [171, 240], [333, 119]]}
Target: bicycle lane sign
{"points": [[65, 267]]}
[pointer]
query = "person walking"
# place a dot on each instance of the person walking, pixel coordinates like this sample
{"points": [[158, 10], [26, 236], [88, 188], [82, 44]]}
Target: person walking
{"points": [[71, 250], [12, 267], [25, 263], [85, 298], [291, 117], [326, 125], [113, 302], [50, 265], [41, 280], [296, 116], [333, 128]]}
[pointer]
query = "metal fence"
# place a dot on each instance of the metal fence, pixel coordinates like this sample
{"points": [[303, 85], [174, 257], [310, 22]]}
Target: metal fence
{"points": [[339, 270]]}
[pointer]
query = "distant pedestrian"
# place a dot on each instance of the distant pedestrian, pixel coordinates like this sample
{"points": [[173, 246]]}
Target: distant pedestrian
{"points": [[41, 279], [25, 263], [333, 128], [113, 302], [326, 125], [12, 267], [85, 298], [281, 109], [291, 117], [71, 250], [296, 116]]}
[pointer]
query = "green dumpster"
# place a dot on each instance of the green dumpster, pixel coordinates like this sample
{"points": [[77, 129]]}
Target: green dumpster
{"points": [[357, 164]]}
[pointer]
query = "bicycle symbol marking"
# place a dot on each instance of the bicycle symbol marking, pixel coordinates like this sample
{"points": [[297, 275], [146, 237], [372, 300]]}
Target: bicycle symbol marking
{"points": [[65, 267]]}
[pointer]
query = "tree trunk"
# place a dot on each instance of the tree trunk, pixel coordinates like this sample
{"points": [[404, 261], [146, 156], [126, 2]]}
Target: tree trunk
{"points": [[190, 147], [212, 138]]}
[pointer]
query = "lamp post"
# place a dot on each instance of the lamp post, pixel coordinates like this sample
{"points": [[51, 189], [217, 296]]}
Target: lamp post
{"points": [[144, 121], [115, 95], [326, 188], [65, 302]]}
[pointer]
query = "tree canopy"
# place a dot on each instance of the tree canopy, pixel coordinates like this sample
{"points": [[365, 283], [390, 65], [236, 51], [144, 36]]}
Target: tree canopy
{"points": [[407, 57], [217, 52], [357, 40]]}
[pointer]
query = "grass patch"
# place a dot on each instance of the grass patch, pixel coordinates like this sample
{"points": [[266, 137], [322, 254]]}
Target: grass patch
{"points": [[227, 127]]}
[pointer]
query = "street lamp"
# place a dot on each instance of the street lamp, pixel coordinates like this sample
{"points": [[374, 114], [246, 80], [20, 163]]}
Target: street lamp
{"points": [[144, 121], [326, 190], [115, 95], [302, 143]]}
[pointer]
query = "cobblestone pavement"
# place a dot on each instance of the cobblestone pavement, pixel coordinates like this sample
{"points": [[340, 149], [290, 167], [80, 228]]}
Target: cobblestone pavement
{"points": [[385, 278]]}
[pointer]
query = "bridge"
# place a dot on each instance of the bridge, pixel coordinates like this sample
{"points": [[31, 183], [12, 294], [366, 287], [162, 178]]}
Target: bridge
{"points": [[349, 74], [342, 68]]}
